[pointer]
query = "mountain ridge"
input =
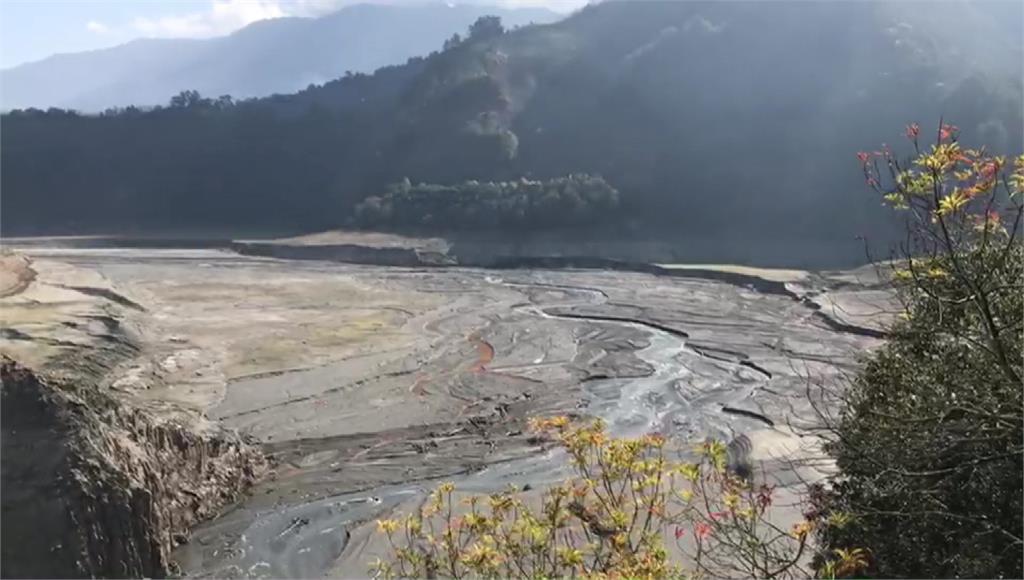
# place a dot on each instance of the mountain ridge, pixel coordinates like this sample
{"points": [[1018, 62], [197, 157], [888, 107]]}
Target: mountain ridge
{"points": [[728, 120], [279, 55]]}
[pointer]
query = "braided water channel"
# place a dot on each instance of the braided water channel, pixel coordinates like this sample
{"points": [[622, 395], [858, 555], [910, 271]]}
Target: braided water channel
{"points": [[306, 540]]}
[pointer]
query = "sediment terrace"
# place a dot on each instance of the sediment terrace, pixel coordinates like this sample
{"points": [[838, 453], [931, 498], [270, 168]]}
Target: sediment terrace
{"points": [[365, 385]]}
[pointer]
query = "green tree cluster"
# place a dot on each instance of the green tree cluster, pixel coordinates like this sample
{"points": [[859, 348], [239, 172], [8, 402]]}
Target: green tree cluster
{"points": [[930, 440], [574, 200]]}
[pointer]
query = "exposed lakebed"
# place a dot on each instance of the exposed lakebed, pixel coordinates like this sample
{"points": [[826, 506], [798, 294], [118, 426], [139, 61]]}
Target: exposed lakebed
{"points": [[367, 385]]}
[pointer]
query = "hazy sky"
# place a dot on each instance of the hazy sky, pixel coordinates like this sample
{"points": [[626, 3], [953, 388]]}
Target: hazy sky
{"points": [[34, 29]]}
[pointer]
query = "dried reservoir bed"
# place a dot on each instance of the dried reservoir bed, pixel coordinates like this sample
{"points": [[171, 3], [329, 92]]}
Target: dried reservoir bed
{"points": [[365, 385]]}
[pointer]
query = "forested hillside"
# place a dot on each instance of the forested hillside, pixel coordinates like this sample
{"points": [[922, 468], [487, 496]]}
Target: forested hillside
{"points": [[280, 55], [711, 118]]}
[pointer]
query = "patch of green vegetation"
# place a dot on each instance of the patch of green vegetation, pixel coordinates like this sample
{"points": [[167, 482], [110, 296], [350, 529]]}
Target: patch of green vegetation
{"points": [[929, 441], [575, 200]]}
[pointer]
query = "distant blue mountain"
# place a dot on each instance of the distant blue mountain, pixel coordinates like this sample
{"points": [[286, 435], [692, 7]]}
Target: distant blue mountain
{"points": [[271, 56]]}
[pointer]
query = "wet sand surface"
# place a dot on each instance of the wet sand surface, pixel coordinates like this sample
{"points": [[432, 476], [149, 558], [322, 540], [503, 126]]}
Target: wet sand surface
{"points": [[369, 385]]}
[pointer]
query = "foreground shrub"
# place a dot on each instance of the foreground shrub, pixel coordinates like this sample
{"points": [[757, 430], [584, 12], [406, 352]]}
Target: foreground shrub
{"points": [[613, 519], [929, 443]]}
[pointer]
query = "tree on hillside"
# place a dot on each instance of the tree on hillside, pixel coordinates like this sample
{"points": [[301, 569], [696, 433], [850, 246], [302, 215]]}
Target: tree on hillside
{"points": [[224, 102], [575, 200], [186, 99], [929, 439], [486, 27], [452, 42]]}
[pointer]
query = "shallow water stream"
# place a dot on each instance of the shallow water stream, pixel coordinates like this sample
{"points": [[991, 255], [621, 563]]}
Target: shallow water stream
{"points": [[305, 540]]}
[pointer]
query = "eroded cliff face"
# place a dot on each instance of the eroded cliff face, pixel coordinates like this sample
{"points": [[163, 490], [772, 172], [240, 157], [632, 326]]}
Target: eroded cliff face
{"points": [[94, 486], [97, 480]]}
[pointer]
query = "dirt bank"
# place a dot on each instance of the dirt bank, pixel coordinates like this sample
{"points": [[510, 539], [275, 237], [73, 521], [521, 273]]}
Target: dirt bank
{"points": [[15, 274], [96, 481]]}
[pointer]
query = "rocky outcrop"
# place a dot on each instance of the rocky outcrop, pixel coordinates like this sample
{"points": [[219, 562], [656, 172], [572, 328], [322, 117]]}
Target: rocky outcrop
{"points": [[16, 274], [95, 485]]}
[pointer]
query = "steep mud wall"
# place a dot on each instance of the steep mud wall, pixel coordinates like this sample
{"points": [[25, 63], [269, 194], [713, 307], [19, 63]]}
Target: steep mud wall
{"points": [[95, 486], [350, 253], [482, 254]]}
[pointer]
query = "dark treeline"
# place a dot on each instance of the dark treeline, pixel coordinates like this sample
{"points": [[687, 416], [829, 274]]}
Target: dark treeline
{"points": [[704, 119], [566, 202], [197, 162]]}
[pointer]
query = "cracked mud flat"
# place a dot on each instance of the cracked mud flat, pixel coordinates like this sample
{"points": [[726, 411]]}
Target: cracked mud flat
{"points": [[368, 385]]}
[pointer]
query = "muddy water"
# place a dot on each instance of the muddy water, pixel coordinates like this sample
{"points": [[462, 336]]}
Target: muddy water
{"points": [[305, 540]]}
